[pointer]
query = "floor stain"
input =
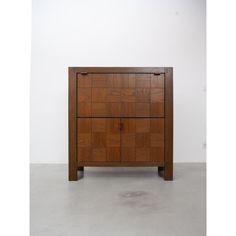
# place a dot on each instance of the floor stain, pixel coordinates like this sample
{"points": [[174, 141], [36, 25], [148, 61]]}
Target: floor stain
{"points": [[136, 200], [141, 201], [133, 194]]}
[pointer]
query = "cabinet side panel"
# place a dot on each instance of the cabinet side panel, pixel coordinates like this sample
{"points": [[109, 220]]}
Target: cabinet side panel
{"points": [[168, 173], [72, 126]]}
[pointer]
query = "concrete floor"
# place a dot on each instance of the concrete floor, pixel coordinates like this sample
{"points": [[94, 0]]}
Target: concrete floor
{"points": [[118, 202]]}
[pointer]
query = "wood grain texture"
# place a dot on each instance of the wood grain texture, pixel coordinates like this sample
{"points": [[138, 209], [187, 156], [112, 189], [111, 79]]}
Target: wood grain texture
{"points": [[128, 95], [121, 163], [121, 95], [142, 139], [84, 109], [113, 109], [99, 94], [158, 81], [122, 70], [128, 109], [101, 80], [142, 109], [73, 165], [85, 81], [98, 139], [99, 109], [143, 80], [157, 109], [139, 139], [126, 80], [168, 171]]}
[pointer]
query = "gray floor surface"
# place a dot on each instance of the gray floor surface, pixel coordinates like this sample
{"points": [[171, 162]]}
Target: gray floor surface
{"points": [[118, 201]]}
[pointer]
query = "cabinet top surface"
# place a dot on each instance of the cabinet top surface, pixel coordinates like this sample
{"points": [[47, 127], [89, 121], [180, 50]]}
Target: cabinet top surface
{"points": [[120, 69]]}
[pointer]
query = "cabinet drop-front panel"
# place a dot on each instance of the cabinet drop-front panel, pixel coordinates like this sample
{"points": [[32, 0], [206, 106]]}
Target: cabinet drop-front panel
{"points": [[120, 95], [121, 117]]}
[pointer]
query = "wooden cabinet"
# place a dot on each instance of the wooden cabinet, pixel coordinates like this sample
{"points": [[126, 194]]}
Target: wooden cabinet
{"points": [[121, 117]]}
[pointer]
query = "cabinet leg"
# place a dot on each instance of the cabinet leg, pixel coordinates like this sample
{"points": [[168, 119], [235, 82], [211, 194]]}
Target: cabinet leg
{"points": [[160, 171], [73, 176], [80, 168], [168, 172]]}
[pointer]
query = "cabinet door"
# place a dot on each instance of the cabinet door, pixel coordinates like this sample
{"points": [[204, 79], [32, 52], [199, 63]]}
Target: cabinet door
{"points": [[98, 139], [142, 139]]}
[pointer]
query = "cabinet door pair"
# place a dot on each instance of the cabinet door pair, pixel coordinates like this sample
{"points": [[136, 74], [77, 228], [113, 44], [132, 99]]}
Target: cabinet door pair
{"points": [[120, 139]]}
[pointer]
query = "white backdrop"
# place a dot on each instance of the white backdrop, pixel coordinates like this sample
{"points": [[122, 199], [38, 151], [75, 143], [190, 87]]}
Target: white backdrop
{"points": [[116, 33]]}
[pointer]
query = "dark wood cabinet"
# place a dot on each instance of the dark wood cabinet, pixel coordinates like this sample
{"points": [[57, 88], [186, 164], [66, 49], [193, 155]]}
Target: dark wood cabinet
{"points": [[121, 117]]}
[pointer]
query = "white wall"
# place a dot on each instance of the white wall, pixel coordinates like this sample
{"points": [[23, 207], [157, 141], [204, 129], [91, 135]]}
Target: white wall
{"points": [[116, 33]]}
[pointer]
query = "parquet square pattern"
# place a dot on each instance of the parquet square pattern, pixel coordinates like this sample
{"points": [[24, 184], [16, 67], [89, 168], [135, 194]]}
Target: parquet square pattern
{"points": [[120, 117], [120, 139], [120, 95]]}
